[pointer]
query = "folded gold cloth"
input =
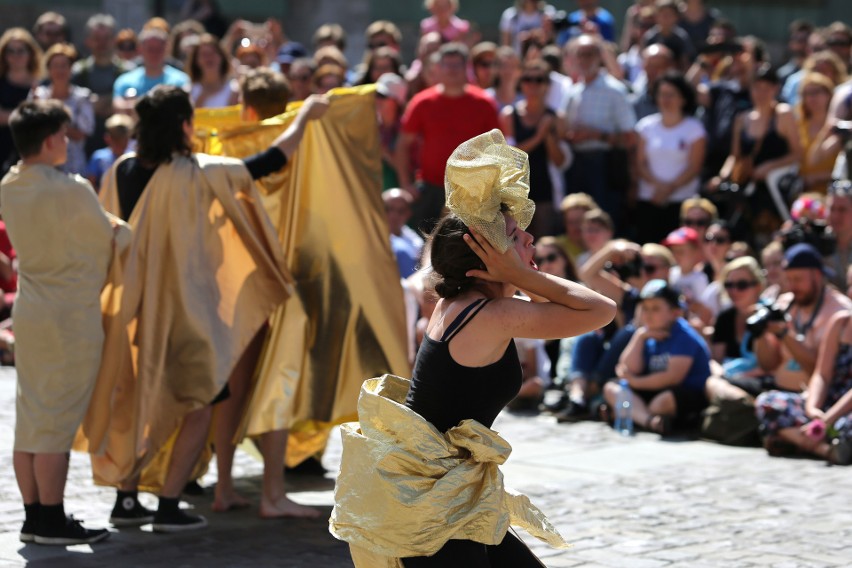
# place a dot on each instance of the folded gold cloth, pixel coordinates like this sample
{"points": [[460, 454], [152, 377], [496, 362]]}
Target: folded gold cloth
{"points": [[405, 488]]}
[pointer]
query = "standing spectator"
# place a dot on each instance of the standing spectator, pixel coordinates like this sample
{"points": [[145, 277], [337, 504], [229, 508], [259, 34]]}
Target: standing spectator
{"points": [[524, 17], [804, 420], [483, 57], [50, 28], [600, 122], [532, 127], [406, 244], [419, 74], [300, 74], [811, 116], [588, 12], [444, 20], [696, 19], [505, 90], [210, 72], [443, 117], [182, 40], [632, 59], [378, 62], [391, 96], [127, 49], [666, 364], [667, 32], [57, 64], [152, 72], [383, 33], [98, 73], [329, 34], [656, 61], [630, 33], [329, 77], [838, 39], [797, 47], [208, 13], [20, 58], [670, 153], [825, 62], [117, 138]]}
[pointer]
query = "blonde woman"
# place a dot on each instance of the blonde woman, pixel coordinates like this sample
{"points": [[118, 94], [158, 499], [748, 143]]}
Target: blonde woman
{"points": [[815, 93]]}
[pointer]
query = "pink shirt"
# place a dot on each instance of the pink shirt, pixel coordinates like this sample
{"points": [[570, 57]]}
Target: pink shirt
{"points": [[455, 30]]}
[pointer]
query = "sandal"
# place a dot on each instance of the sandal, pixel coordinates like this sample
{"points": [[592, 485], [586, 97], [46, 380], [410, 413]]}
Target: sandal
{"points": [[664, 426]]}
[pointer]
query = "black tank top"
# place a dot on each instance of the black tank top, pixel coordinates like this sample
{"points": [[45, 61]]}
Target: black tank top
{"points": [[445, 392], [541, 188], [773, 147]]}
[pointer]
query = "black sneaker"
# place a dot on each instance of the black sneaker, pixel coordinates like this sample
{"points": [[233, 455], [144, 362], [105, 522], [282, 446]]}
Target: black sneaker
{"points": [[129, 512], [177, 520], [28, 532], [193, 489], [72, 532], [574, 412]]}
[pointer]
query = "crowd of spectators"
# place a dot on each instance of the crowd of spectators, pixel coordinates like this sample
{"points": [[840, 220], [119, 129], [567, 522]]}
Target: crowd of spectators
{"points": [[675, 168]]}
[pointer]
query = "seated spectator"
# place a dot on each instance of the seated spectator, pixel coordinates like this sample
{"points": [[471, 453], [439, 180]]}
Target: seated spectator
{"points": [[406, 244], [688, 273], [840, 222], [117, 138], [152, 72], [444, 20], [210, 72], [666, 364], [698, 214], [57, 63], [786, 350], [819, 420], [772, 261], [597, 231], [573, 209], [811, 116]]}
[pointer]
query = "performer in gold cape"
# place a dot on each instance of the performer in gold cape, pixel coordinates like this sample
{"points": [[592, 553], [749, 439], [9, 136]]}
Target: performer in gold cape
{"points": [[346, 320], [419, 484], [203, 274], [65, 244]]}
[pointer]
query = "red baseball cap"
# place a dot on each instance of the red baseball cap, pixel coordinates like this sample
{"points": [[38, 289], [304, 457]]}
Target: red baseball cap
{"points": [[682, 236]]}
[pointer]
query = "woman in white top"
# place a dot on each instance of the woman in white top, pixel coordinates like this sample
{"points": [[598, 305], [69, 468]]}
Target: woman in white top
{"points": [[210, 70], [670, 154], [57, 66]]}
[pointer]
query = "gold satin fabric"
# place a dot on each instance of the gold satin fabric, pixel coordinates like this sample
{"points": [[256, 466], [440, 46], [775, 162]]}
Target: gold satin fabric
{"points": [[405, 488], [347, 318], [483, 175], [203, 274]]}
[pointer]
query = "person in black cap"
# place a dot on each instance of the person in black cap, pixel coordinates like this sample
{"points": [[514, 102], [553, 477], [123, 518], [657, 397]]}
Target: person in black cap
{"points": [[666, 363], [787, 349]]}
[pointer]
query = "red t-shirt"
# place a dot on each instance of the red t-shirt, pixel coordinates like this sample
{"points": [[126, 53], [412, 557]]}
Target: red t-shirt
{"points": [[10, 285], [445, 122]]}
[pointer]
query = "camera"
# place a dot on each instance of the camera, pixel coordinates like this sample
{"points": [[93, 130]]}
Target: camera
{"points": [[812, 232], [630, 269], [729, 191], [757, 323], [843, 129]]}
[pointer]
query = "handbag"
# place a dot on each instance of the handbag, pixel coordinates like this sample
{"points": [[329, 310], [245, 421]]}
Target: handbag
{"points": [[743, 169]]}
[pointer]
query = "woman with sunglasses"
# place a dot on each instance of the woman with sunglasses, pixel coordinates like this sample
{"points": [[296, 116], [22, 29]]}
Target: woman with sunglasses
{"points": [[533, 128], [715, 245], [743, 282], [20, 57]]}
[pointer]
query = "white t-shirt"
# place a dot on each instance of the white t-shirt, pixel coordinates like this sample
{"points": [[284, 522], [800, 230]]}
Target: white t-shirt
{"points": [[692, 284], [667, 151]]}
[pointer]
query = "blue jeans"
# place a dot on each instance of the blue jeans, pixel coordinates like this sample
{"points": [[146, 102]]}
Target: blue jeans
{"points": [[595, 357]]}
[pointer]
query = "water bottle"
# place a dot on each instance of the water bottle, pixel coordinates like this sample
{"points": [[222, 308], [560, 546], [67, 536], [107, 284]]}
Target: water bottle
{"points": [[624, 409]]}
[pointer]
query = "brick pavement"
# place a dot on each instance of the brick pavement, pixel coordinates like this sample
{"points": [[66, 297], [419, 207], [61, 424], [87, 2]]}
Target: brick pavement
{"points": [[639, 502]]}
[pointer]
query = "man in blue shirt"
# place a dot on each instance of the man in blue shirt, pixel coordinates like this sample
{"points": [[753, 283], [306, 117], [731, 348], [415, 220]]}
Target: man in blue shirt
{"points": [[666, 363], [589, 11], [153, 71]]}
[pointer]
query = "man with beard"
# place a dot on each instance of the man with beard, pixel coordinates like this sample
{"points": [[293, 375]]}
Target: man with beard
{"points": [[787, 350]]}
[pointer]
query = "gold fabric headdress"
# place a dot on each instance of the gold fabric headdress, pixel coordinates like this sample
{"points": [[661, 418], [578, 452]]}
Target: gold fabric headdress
{"points": [[483, 174]]}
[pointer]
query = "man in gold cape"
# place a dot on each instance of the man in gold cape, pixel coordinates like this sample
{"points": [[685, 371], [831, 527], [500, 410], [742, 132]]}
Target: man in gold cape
{"points": [[399, 472], [203, 274], [346, 320]]}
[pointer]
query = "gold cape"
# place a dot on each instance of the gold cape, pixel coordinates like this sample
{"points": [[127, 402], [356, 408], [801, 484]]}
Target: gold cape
{"points": [[202, 275], [347, 319], [405, 488]]}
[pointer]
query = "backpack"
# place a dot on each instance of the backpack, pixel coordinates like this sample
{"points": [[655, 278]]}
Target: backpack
{"points": [[731, 422]]}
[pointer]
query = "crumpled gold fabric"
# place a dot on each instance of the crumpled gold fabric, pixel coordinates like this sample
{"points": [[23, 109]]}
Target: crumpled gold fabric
{"points": [[482, 174], [405, 488], [203, 274], [346, 320]]}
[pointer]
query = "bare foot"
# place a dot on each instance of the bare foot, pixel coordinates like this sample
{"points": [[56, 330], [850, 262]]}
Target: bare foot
{"points": [[230, 502], [284, 507]]}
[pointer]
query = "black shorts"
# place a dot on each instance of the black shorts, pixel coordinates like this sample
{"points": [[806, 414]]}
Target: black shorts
{"points": [[688, 402]]}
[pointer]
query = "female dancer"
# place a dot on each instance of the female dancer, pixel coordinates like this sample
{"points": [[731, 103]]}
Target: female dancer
{"points": [[467, 367]]}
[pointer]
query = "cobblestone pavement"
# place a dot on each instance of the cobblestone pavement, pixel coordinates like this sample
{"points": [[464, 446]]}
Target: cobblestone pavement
{"points": [[640, 502]]}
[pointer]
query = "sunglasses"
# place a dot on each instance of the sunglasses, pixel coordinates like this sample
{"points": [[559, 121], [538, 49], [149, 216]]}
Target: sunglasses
{"points": [[718, 239], [552, 257], [696, 222], [536, 80], [740, 285], [126, 46]]}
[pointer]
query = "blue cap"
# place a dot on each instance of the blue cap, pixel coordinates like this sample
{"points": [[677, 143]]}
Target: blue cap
{"points": [[803, 255], [290, 52]]}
